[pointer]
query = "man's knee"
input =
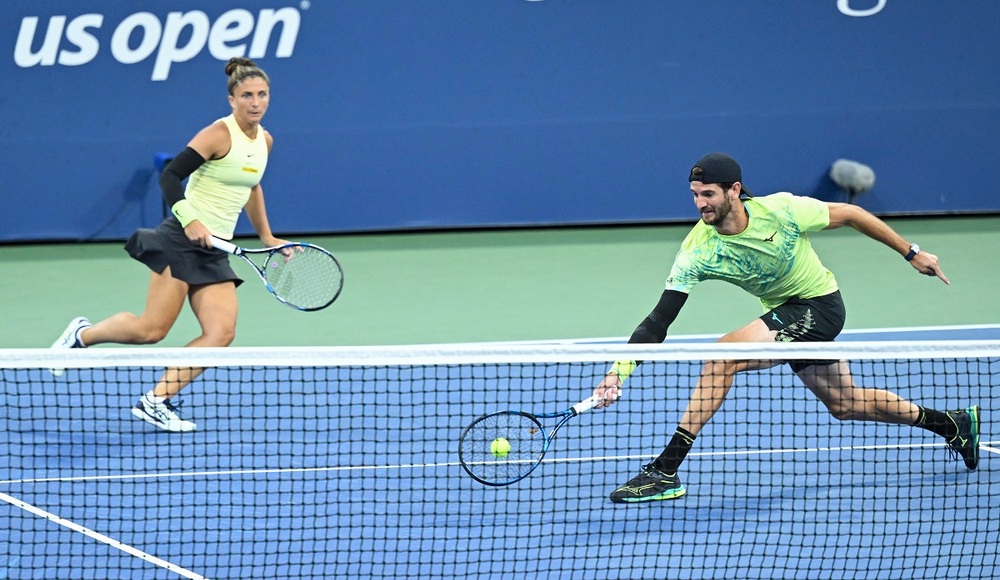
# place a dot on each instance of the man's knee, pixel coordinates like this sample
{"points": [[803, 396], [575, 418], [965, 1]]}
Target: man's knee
{"points": [[842, 412]]}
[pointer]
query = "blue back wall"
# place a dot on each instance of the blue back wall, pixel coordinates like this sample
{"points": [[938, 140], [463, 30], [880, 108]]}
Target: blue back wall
{"points": [[400, 114]]}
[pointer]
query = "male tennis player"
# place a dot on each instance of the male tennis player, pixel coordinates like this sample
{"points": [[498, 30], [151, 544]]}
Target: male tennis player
{"points": [[762, 246]]}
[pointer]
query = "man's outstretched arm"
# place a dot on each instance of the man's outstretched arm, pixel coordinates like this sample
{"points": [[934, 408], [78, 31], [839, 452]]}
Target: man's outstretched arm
{"points": [[843, 214]]}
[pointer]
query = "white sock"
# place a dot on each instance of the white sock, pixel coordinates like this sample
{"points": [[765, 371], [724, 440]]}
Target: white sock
{"points": [[153, 399]]}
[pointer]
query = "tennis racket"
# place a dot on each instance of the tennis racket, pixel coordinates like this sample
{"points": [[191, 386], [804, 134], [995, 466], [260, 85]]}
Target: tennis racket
{"points": [[303, 276], [525, 435]]}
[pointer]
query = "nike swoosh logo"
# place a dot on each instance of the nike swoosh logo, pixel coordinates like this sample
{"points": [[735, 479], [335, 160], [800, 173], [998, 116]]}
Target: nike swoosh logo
{"points": [[771, 238]]}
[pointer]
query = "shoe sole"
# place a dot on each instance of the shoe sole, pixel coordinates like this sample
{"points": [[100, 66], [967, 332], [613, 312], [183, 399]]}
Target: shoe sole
{"points": [[140, 414], [973, 412], [673, 494]]}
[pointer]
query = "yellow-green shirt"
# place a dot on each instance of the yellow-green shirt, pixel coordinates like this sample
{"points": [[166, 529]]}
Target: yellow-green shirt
{"points": [[771, 259], [220, 188]]}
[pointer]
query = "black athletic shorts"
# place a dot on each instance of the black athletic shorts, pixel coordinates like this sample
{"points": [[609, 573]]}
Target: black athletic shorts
{"points": [[168, 246], [818, 319]]}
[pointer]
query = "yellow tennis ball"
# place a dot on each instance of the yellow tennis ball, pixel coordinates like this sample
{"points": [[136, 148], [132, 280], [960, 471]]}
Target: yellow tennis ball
{"points": [[500, 447]]}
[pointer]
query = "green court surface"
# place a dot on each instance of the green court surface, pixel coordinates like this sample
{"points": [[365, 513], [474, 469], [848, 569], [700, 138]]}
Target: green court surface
{"points": [[510, 285]]}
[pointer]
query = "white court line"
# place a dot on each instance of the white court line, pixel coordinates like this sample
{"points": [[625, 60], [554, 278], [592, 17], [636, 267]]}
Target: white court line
{"points": [[182, 474], [987, 445], [101, 538]]}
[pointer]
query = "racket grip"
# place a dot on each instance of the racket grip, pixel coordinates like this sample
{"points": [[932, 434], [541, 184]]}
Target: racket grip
{"points": [[586, 405], [223, 245]]}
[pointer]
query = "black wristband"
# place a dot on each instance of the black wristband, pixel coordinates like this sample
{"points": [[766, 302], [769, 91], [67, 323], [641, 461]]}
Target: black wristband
{"points": [[179, 168]]}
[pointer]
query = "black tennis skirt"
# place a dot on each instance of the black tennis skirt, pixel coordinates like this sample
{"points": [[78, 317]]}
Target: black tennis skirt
{"points": [[166, 245]]}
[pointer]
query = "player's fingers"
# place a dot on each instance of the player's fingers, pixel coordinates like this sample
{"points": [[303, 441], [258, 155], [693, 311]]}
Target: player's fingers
{"points": [[609, 396], [933, 268]]}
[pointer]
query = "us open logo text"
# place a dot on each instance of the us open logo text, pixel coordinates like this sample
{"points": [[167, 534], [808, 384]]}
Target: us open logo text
{"points": [[177, 38]]}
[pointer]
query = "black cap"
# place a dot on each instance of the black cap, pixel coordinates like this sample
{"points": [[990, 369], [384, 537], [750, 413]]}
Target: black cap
{"points": [[717, 168]]}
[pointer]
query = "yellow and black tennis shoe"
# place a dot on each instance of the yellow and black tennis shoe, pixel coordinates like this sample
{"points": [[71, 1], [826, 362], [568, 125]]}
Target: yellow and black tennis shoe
{"points": [[966, 443], [650, 485]]}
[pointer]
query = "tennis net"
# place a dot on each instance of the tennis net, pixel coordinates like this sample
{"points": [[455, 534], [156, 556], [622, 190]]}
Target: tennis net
{"points": [[343, 462]]}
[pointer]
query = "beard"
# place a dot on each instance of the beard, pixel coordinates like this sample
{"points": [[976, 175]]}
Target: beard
{"points": [[721, 213]]}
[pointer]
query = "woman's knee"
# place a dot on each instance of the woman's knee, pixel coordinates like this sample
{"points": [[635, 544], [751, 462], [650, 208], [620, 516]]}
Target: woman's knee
{"points": [[153, 333], [220, 336]]}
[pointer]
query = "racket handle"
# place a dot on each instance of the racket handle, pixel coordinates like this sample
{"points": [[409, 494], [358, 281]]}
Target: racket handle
{"points": [[225, 246], [586, 405]]}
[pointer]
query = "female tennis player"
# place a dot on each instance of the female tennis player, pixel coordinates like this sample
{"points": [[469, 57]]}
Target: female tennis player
{"points": [[225, 162], [762, 246]]}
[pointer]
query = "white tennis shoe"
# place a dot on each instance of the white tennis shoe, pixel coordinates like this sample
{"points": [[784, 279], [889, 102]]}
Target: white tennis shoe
{"points": [[70, 338], [162, 415]]}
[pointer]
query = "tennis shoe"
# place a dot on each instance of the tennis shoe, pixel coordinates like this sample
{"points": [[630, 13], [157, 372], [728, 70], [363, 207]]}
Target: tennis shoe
{"points": [[162, 415], [70, 338], [650, 485], [966, 443]]}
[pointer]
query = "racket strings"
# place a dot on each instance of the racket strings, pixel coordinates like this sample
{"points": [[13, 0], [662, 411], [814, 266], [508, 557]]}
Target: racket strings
{"points": [[524, 435], [307, 278]]}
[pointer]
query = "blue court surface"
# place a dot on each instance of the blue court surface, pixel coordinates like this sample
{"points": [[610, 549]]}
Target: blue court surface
{"points": [[353, 473]]}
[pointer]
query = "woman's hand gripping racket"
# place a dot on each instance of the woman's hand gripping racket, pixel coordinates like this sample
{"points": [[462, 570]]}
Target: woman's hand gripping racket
{"points": [[504, 447], [303, 276]]}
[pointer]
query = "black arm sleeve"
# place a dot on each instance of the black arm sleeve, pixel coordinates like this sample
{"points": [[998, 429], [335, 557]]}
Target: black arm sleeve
{"points": [[176, 172], [653, 329]]}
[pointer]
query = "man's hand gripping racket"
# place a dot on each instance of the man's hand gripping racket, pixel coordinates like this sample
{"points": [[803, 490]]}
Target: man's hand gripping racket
{"points": [[504, 447], [303, 276], [608, 391]]}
